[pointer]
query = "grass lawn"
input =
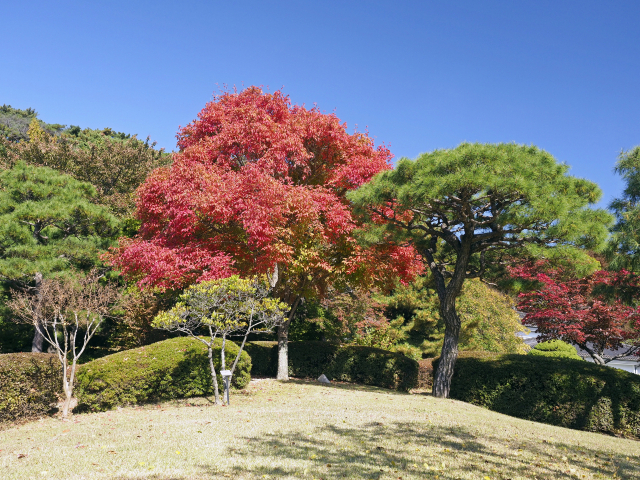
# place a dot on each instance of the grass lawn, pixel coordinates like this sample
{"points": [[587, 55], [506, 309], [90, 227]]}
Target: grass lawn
{"points": [[301, 429]]}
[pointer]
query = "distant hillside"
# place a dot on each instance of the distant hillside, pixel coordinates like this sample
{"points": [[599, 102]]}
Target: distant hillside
{"points": [[14, 123]]}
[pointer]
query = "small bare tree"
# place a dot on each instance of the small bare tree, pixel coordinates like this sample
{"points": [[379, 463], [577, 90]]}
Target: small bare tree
{"points": [[67, 313], [223, 307]]}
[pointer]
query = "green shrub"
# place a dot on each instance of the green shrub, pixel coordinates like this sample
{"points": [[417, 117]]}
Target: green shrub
{"points": [[357, 364], [174, 368], [559, 391], [29, 384], [555, 348]]}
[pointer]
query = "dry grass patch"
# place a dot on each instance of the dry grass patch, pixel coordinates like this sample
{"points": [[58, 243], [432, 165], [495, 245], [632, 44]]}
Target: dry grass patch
{"points": [[300, 429]]}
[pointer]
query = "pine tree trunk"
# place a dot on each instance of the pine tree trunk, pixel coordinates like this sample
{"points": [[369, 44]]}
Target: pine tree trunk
{"points": [[449, 354], [37, 345], [448, 296]]}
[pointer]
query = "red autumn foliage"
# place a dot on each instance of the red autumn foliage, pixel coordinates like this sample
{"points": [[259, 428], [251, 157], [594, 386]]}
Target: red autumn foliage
{"points": [[586, 312], [260, 182]]}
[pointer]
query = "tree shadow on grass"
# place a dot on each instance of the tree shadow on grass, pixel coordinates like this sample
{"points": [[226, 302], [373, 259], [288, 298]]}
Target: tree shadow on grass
{"points": [[408, 450], [363, 452]]}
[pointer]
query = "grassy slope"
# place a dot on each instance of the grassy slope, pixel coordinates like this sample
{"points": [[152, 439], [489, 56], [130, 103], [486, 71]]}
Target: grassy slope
{"points": [[297, 429]]}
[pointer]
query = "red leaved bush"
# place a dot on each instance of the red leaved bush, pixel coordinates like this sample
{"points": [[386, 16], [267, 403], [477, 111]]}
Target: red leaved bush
{"points": [[259, 182], [586, 312]]}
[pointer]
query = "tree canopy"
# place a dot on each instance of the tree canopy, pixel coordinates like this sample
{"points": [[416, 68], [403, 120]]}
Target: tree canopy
{"points": [[114, 162], [48, 224], [588, 312], [459, 206], [259, 186], [623, 250]]}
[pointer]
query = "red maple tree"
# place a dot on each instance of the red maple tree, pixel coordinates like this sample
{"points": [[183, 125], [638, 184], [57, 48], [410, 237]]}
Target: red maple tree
{"points": [[259, 186], [587, 312]]}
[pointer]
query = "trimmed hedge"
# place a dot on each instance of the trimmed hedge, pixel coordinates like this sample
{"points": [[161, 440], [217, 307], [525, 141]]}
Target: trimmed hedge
{"points": [[264, 358], [174, 368], [365, 365], [29, 385], [564, 392]]}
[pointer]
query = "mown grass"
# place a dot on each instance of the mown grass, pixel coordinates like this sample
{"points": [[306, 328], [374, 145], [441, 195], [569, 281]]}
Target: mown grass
{"points": [[301, 429]]}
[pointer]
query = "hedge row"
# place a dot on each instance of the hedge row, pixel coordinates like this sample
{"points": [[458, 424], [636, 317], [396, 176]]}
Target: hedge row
{"points": [[564, 392], [365, 365], [174, 368], [29, 385]]}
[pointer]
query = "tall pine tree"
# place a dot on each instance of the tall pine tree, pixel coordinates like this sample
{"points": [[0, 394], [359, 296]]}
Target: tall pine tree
{"points": [[48, 227]]}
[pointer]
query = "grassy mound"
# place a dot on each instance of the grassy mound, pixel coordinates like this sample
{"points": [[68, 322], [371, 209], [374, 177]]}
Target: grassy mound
{"points": [[303, 430], [558, 391], [29, 384], [174, 368]]}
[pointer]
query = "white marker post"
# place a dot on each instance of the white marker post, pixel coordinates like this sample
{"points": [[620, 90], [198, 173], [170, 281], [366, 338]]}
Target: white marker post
{"points": [[226, 379]]}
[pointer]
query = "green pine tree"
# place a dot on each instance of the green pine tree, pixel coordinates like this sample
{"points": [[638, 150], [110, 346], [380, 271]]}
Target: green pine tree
{"points": [[460, 207], [623, 250], [48, 227]]}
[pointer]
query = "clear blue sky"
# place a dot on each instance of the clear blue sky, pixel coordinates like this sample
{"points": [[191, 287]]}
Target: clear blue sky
{"points": [[563, 75]]}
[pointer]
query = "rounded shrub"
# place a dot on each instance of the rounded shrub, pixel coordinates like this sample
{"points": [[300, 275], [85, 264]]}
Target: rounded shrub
{"points": [[174, 368], [559, 391], [30, 384], [555, 348]]}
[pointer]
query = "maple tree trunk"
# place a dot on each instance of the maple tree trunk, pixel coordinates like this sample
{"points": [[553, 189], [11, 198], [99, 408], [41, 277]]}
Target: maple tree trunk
{"points": [[283, 344], [283, 351], [37, 344], [449, 354]]}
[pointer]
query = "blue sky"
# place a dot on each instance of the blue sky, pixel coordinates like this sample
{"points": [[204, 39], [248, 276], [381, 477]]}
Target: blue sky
{"points": [[563, 75]]}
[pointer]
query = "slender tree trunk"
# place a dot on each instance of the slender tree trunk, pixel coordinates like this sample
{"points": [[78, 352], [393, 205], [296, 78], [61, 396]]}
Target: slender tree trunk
{"points": [[223, 364], [598, 359], [214, 378], [283, 344], [37, 345], [68, 394], [449, 354], [67, 386]]}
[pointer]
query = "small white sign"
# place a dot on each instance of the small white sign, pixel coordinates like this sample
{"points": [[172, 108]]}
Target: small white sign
{"points": [[225, 373]]}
